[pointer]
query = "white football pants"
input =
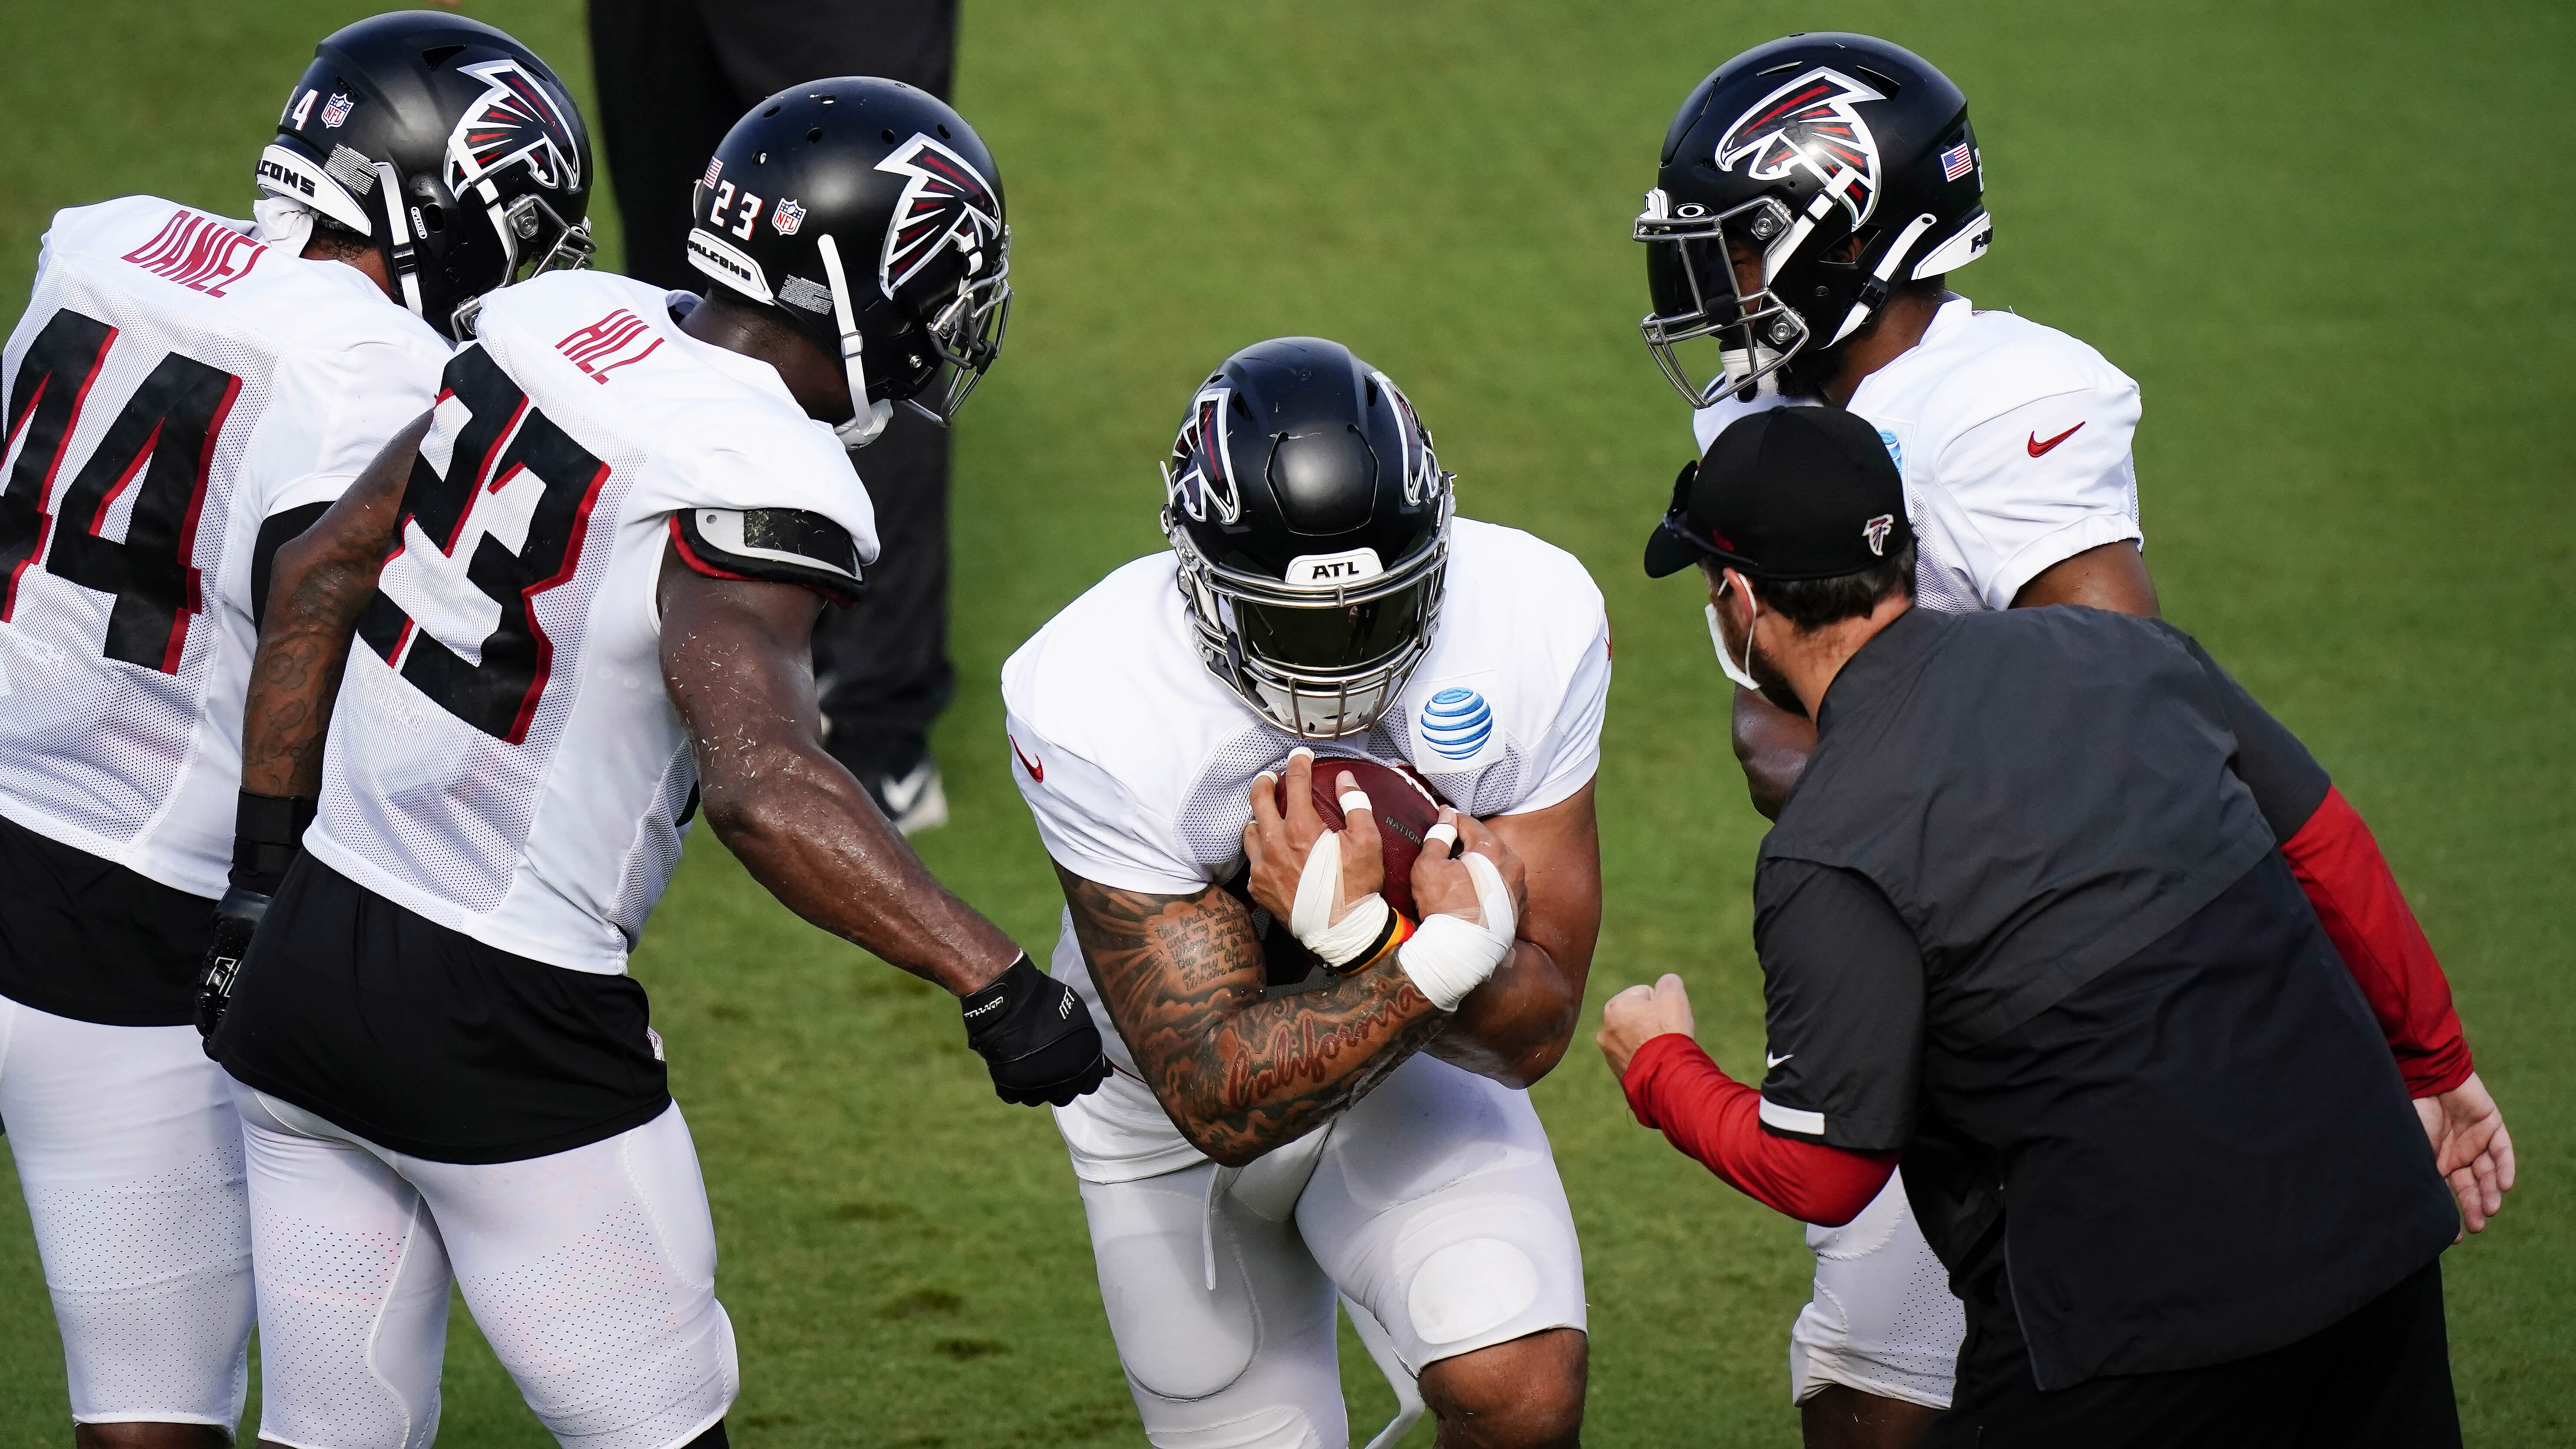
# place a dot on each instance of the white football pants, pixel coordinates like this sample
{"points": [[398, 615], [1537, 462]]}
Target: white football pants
{"points": [[1883, 1320], [1432, 1206], [591, 1272], [131, 1159]]}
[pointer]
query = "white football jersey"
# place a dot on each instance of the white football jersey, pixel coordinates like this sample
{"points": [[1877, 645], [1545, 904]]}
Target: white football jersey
{"points": [[2014, 442], [503, 758], [173, 383], [1138, 763]]}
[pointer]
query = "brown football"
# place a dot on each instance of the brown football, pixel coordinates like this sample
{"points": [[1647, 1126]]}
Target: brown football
{"points": [[1404, 806]]}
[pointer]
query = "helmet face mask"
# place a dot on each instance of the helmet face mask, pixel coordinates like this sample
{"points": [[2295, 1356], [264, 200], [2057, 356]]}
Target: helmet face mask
{"points": [[1310, 521], [1847, 165], [1692, 275]]}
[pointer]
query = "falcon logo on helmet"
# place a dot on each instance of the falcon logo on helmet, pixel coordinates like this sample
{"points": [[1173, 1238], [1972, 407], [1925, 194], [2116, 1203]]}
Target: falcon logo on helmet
{"points": [[947, 202], [1199, 479], [1810, 123], [513, 121]]}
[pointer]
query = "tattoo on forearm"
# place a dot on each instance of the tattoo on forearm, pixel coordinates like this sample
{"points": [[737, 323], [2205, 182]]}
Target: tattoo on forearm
{"points": [[1182, 977], [304, 648]]}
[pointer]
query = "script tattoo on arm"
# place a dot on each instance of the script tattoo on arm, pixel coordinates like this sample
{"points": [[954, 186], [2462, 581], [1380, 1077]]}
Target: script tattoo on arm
{"points": [[320, 584], [1240, 1072]]}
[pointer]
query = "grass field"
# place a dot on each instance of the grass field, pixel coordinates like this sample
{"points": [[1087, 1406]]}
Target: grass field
{"points": [[2330, 240]]}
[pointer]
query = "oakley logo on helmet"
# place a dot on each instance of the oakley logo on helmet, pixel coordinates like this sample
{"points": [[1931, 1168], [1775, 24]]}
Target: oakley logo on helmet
{"points": [[514, 121], [1202, 471], [1876, 531], [946, 202], [1810, 123]]}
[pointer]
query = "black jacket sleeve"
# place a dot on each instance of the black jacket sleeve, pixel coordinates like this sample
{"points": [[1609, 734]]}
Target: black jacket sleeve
{"points": [[2287, 781]]}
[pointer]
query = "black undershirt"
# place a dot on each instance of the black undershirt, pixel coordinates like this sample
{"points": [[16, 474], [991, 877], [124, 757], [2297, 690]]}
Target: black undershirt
{"points": [[428, 1042], [94, 941]]}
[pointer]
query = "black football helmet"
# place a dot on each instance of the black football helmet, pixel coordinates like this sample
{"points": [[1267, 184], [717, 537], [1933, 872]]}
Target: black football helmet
{"points": [[1795, 148], [1312, 523], [449, 145], [823, 178]]}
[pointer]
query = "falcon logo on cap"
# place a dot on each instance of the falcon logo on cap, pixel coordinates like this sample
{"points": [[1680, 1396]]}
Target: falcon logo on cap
{"points": [[1876, 531]]}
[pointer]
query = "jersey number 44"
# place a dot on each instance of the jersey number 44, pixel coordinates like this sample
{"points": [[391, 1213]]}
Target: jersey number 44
{"points": [[166, 433]]}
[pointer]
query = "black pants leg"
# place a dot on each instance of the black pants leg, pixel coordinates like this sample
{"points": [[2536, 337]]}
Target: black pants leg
{"points": [[883, 666], [2378, 1379], [674, 75]]}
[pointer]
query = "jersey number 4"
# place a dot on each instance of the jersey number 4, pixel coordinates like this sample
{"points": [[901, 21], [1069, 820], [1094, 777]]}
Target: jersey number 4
{"points": [[166, 433], [515, 498]]}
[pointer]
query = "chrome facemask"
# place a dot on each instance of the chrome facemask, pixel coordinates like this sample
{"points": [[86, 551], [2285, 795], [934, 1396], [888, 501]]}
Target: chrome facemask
{"points": [[968, 331], [1308, 701], [1756, 332], [523, 222]]}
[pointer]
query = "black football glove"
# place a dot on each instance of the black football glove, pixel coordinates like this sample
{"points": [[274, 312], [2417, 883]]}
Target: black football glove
{"points": [[1035, 1036], [268, 831], [237, 918]]}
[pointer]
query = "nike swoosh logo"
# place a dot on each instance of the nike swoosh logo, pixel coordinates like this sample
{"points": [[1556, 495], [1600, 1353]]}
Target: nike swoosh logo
{"points": [[2037, 447], [1771, 1063], [1038, 771], [901, 795]]}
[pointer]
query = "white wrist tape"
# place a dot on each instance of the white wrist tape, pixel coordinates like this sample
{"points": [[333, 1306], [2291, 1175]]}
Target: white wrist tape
{"points": [[1319, 888], [1451, 955]]}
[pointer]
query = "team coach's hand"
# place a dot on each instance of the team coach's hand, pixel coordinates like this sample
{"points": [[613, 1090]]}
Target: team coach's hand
{"points": [[1638, 1015], [2471, 1147]]}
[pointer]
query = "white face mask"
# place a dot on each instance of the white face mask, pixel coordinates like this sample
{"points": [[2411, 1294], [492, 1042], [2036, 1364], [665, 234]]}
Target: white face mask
{"points": [[1741, 674]]}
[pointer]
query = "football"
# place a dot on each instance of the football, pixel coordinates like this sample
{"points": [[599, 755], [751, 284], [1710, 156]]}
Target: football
{"points": [[1403, 804]]}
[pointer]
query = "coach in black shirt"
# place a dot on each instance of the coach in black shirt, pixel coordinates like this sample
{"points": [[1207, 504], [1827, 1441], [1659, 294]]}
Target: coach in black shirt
{"points": [[2041, 916]]}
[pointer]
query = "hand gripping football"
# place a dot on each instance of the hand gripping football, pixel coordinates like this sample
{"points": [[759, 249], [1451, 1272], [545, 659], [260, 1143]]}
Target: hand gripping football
{"points": [[1403, 805]]}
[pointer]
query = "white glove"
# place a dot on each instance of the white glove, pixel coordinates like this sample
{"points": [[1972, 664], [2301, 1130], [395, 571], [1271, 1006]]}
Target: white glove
{"points": [[1450, 956]]}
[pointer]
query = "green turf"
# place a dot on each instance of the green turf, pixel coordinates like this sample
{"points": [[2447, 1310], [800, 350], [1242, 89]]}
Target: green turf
{"points": [[2330, 240]]}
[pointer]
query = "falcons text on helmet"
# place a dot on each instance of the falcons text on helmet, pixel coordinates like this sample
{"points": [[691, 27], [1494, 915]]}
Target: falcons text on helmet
{"points": [[515, 120], [1810, 122], [947, 202]]}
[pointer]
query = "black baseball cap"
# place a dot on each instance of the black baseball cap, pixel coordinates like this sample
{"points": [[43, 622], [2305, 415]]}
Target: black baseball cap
{"points": [[1789, 493]]}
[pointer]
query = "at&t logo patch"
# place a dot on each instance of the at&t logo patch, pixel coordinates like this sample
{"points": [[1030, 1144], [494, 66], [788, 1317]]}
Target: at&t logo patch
{"points": [[1456, 723]]}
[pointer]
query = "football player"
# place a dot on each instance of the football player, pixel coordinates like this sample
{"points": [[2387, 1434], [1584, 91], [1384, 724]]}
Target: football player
{"points": [[1273, 1137], [582, 590], [1813, 196], [184, 392]]}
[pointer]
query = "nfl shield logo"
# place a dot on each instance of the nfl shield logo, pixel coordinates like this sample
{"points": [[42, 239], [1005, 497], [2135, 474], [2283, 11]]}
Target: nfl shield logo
{"points": [[787, 217], [335, 111]]}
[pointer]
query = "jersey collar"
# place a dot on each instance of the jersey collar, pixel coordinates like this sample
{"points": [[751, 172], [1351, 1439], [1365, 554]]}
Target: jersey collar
{"points": [[749, 370]]}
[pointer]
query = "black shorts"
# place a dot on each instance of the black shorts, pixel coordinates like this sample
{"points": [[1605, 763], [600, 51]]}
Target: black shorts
{"points": [[427, 1041], [89, 939], [2378, 1379]]}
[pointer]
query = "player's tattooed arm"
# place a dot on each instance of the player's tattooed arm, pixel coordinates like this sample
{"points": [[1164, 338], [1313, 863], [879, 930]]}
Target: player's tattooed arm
{"points": [[1516, 1026], [318, 586], [1240, 1074], [737, 660]]}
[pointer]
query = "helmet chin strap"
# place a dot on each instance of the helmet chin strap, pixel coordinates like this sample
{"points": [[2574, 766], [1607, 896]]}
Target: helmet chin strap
{"points": [[867, 419], [406, 262]]}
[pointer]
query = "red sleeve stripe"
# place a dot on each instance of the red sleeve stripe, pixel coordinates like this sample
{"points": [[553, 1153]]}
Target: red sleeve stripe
{"points": [[2347, 880], [1674, 1087]]}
